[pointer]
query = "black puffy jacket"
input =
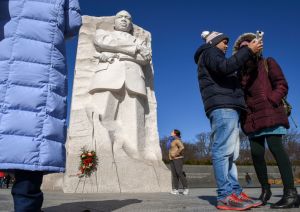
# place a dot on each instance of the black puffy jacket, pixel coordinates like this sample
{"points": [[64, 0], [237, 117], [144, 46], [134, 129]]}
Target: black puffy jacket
{"points": [[218, 77]]}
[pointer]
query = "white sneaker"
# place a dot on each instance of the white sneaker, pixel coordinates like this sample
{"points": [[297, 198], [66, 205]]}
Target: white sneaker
{"points": [[185, 191], [174, 191]]}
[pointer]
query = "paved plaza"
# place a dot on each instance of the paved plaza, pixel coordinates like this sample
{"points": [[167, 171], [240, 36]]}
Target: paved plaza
{"points": [[199, 199]]}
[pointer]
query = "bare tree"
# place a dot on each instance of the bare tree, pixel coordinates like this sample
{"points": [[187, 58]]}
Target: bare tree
{"points": [[245, 152], [190, 153], [292, 145], [204, 145], [199, 152], [165, 152]]}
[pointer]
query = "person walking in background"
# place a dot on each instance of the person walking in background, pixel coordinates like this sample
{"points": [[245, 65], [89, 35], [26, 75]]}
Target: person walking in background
{"points": [[33, 77], [265, 120], [223, 100], [175, 147], [248, 179], [7, 180]]}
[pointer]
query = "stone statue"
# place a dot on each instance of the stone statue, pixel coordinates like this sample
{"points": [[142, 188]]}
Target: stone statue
{"points": [[114, 110], [118, 90]]}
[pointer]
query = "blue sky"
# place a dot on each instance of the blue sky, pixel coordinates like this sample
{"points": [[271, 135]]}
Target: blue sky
{"points": [[176, 26]]}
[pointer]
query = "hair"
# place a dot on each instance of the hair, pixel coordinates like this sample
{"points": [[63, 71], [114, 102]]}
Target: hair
{"points": [[177, 133]]}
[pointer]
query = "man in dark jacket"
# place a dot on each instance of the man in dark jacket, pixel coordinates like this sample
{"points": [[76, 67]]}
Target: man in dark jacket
{"points": [[7, 180], [223, 100]]}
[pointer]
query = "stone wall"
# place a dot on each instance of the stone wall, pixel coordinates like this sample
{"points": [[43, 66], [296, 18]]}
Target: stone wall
{"points": [[203, 176], [197, 176]]}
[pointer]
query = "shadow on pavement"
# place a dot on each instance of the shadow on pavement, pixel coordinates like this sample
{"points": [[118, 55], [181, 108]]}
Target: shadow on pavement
{"points": [[211, 199], [92, 206]]}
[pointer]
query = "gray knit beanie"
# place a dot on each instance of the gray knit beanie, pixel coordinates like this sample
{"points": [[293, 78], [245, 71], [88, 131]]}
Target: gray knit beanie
{"points": [[213, 38]]}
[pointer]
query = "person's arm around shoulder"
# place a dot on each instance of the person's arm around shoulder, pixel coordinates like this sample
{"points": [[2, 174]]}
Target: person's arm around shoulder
{"points": [[278, 82], [217, 62], [73, 18]]}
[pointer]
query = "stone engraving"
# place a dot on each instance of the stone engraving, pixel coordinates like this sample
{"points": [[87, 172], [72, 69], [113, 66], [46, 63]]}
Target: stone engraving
{"points": [[113, 110]]}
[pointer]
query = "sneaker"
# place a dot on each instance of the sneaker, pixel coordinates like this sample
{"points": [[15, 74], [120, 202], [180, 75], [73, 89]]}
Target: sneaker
{"points": [[174, 191], [254, 203], [231, 202], [185, 191]]}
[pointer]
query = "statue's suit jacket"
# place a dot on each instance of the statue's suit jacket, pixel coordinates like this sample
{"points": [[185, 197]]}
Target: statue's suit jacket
{"points": [[126, 69]]}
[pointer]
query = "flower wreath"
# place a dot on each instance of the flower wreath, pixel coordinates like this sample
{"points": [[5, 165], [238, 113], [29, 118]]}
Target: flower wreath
{"points": [[88, 162]]}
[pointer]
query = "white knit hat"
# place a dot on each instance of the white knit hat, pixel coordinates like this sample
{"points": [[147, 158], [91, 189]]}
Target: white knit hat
{"points": [[213, 37]]}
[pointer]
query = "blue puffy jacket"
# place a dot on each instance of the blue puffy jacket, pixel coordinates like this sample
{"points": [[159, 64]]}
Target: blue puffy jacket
{"points": [[33, 81]]}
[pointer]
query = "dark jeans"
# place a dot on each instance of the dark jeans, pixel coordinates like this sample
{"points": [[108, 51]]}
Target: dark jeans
{"points": [[276, 147], [26, 191], [177, 173]]}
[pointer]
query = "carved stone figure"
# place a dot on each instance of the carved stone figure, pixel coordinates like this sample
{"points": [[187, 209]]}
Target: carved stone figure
{"points": [[118, 90], [114, 110]]}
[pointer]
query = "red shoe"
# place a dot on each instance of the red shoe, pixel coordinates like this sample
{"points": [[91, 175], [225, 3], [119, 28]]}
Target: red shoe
{"points": [[254, 203], [231, 202]]}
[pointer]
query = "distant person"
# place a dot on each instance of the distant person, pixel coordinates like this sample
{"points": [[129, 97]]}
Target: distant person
{"points": [[265, 120], [7, 180], [33, 92], [248, 179], [223, 100], [2, 175], [176, 147]]}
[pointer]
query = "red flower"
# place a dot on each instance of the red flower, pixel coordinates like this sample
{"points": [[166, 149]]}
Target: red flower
{"points": [[87, 161]]}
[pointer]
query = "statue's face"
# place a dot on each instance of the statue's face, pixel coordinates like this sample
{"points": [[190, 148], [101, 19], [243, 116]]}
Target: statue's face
{"points": [[123, 21]]}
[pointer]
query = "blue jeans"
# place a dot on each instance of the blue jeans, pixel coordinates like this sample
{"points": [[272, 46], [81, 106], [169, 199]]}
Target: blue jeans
{"points": [[225, 150], [26, 191]]}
